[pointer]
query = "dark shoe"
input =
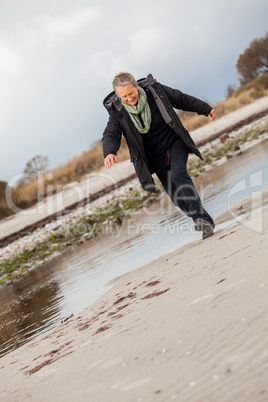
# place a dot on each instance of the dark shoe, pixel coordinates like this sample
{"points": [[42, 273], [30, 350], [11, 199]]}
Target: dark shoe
{"points": [[203, 225]]}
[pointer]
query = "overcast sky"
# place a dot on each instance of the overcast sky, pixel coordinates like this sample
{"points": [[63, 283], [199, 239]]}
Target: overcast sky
{"points": [[58, 59]]}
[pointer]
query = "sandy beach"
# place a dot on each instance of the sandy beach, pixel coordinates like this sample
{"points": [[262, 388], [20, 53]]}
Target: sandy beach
{"points": [[190, 326]]}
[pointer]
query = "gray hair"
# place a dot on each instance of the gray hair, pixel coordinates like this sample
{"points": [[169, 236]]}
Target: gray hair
{"points": [[122, 79]]}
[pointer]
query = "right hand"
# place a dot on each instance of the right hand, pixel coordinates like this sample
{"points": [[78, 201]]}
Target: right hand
{"points": [[212, 115], [110, 160]]}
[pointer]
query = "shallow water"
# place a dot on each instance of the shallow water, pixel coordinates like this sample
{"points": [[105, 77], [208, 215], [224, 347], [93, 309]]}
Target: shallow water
{"points": [[73, 281]]}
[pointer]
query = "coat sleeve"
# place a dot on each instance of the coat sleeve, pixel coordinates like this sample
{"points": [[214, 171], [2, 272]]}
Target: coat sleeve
{"points": [[112, 135], [182, 101]]}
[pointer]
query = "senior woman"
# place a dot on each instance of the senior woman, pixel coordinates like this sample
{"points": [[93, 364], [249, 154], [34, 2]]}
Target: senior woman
{"points": [[143, 112]]}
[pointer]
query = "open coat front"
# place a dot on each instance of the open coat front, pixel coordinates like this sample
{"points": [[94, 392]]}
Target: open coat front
{"points": [[120, 124]]}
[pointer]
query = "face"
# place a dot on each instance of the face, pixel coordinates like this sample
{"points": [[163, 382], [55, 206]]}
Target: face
{"points": [[129, 94]]}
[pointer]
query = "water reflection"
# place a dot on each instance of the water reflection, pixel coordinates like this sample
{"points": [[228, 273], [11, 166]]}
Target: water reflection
{"points": [[73, 281], [27, 306]]}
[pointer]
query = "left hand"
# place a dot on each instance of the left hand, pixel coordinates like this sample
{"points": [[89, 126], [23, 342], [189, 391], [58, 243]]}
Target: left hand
{"points": [[212, 115]]}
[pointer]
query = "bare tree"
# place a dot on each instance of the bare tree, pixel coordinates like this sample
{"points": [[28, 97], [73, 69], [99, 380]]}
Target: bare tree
{"points": [[36, 166]]}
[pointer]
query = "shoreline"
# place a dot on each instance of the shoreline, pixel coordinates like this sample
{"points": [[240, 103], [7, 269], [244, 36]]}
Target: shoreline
{"points": [[48, 245], [168, 330]]}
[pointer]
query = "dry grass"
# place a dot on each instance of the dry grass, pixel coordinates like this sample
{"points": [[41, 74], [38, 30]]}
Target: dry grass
{"points": [[4, 210], [242, 97], [26, 195]]}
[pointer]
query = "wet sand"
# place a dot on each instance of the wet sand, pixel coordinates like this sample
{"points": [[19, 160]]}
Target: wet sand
{"points": [[190, 326]]}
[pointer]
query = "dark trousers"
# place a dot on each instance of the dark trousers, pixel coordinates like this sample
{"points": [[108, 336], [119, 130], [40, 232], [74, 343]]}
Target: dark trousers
{"points": [[171, 170]]}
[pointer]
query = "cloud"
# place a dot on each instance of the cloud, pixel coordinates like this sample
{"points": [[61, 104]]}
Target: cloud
{"points": [[58, 59], [146, 42], [56, 28], [145, 46], [102, 64], [11, 61]]}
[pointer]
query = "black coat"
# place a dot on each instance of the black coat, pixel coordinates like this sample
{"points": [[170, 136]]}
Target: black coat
{"points": [[120, 123]]}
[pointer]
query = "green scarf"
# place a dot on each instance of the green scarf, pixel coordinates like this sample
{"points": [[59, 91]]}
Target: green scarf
{"points": [[141, 107]]}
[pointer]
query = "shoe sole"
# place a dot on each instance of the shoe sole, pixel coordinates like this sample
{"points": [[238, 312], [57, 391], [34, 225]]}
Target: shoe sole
{"points": [[205, 227]]}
